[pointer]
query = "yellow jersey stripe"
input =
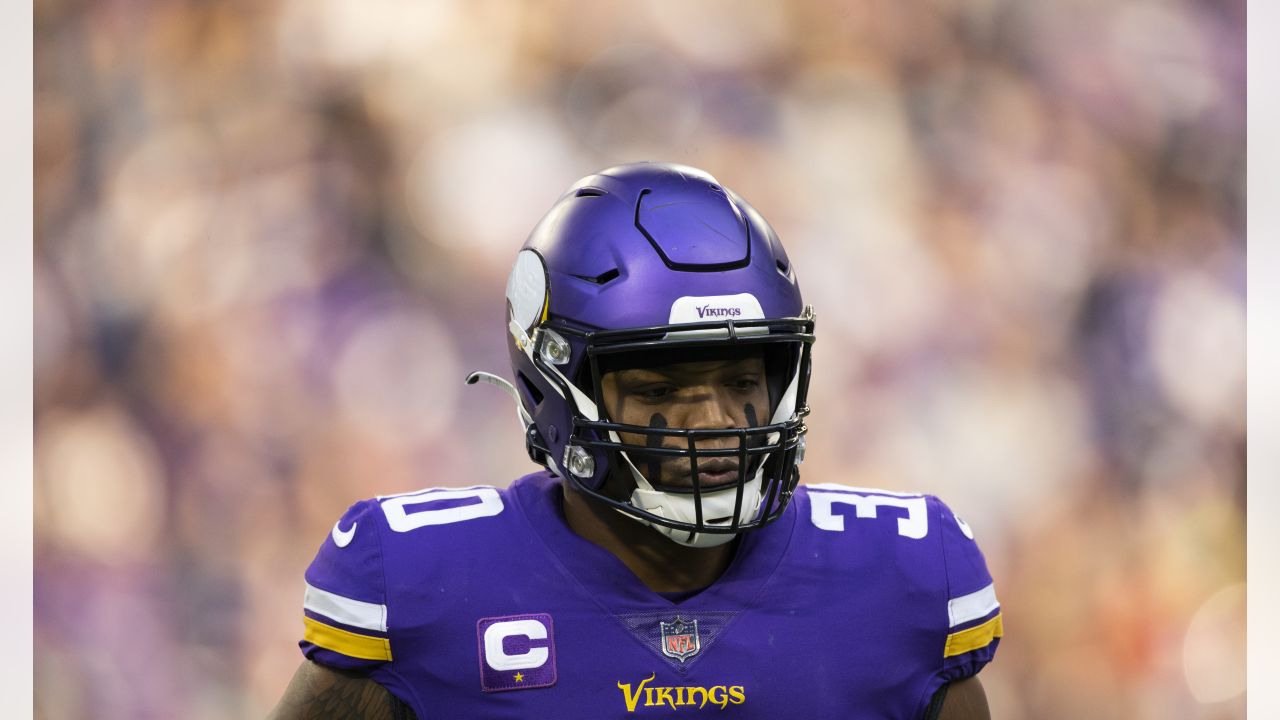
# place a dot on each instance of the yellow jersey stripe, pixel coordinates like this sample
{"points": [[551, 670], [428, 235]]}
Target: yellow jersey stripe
{"points": [[975, 637], [347, 643]]}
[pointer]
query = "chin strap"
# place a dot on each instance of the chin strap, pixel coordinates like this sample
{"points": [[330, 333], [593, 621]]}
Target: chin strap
{"points": [[683, 508]]}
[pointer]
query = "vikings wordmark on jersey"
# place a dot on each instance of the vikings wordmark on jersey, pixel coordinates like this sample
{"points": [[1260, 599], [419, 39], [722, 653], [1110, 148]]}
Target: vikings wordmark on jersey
{"points": [[482, 603], [682, 696]]}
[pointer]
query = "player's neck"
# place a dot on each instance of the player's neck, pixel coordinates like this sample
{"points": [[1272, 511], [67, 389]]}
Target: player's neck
{"points": [[662, 565]]}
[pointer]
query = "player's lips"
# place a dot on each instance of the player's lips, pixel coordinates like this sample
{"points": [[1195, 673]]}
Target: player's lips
{"points": [[715, 473]]}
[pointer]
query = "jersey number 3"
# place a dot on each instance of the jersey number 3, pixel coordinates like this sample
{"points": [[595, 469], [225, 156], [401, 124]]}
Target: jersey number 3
{"points": [[915, 525]]}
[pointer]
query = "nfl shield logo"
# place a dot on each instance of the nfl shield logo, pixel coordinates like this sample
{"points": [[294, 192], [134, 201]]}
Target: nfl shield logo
{"points": [[680, 639]]}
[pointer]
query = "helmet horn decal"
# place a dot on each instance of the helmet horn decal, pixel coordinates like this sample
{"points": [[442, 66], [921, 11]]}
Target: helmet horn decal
{"points": [[528, 294]]}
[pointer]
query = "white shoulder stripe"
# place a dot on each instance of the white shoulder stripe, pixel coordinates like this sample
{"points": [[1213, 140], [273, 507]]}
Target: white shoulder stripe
{"points": [[972, 606], [357, 613]]}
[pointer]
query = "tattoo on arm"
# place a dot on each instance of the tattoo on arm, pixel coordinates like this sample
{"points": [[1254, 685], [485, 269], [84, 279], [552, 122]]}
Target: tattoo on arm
{"points": [[320, 692]]}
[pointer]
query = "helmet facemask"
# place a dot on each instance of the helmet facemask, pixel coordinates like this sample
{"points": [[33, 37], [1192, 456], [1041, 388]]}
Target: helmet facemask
{"points": [[699, 487]]}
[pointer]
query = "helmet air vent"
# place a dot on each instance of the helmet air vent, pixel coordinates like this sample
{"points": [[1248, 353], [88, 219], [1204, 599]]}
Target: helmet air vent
{"points": [[602, 278], [529, 388], [589, 192]]}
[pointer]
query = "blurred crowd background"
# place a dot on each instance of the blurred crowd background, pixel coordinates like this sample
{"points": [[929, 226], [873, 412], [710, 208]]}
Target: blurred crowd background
{"points": [[271, 238]]}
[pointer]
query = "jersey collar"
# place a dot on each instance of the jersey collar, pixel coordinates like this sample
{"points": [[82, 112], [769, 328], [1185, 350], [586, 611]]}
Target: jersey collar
{"points": [[602, 576]]}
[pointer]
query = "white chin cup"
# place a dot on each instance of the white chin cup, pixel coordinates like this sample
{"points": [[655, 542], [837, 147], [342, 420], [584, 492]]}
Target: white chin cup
{"points": [[683, 508]]}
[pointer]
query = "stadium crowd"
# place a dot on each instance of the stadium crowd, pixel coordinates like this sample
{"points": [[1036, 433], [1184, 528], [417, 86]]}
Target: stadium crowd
{"points": [[272, 238]]}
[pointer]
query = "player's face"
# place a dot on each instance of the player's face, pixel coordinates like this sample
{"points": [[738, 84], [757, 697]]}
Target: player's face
{"points": [[716, 394]]}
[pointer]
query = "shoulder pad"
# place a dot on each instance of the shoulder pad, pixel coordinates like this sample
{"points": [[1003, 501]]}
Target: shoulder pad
{"points": [[942, 554], [974, 622], [345, 604], [359, 587]]}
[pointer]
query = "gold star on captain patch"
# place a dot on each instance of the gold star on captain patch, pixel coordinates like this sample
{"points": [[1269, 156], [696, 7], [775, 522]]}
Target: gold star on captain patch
{"points": [[519, 677]]}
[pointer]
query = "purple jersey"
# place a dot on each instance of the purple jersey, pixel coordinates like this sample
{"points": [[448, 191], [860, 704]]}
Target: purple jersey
{"points": [[482, 603]]}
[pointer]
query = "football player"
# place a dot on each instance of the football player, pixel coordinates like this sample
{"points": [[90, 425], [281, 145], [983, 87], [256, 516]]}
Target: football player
{"points": [[665, 562]]}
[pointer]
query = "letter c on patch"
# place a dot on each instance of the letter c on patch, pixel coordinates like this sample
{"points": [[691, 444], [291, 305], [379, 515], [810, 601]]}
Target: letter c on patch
{"points": [[497, 657]]}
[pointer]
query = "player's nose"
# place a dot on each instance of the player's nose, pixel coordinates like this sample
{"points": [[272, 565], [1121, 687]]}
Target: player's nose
{"points": [[713, 411]]}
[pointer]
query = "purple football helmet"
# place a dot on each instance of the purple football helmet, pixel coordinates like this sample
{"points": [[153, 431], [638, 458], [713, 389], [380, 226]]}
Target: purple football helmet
{"points": [[656, 261]]}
